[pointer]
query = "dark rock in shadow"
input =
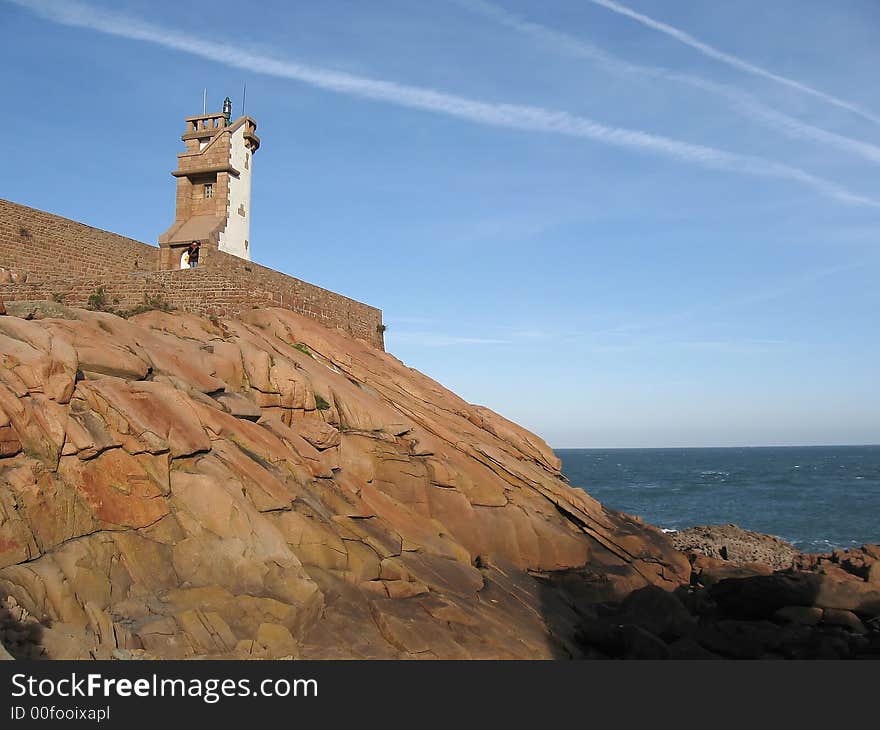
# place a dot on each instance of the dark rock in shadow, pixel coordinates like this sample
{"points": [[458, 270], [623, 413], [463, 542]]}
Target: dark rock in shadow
{"points": [[20, 635], [784, 615]]}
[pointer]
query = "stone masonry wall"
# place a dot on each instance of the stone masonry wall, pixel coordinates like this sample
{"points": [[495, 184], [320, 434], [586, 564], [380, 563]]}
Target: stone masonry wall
{"points": [[249, 282], [43, 256], [40, 245]]}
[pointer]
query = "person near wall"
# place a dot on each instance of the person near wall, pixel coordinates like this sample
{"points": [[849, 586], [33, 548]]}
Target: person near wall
{"points": [[184, 259], [194, 254]]}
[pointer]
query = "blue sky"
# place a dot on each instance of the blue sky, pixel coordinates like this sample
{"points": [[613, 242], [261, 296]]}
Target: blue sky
{"points": [[641, 224]]}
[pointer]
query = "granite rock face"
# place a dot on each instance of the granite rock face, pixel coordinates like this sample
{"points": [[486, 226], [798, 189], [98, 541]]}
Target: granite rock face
{"points": [[175, 487]]}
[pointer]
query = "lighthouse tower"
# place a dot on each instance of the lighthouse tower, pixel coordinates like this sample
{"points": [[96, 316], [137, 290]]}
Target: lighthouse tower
{"points": [[213, 186]]}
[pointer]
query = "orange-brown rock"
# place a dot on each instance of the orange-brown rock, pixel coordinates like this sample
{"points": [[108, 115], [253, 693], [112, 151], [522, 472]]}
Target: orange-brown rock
{"points": [[267, 488]]}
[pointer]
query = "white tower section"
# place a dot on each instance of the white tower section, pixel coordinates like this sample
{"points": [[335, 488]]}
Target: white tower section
{"points": [[213, 203], [235, 238]]}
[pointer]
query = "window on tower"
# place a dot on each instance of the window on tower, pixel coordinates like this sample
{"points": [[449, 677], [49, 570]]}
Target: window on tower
{"points": [[209, 190]]}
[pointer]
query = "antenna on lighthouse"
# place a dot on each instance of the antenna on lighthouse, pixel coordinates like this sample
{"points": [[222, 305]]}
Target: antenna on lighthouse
{"points": [[205, 101], [243, 98]]}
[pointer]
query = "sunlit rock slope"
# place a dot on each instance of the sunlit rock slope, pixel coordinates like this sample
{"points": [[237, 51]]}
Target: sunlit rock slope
{"points": [[172, 486]]}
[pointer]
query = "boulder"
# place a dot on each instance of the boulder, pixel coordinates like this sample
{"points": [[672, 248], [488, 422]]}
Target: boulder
{"points": [[657, 611], [239, 406], [803, 615], [846, 619], [709, 571], [762, 596], [736, 639]]}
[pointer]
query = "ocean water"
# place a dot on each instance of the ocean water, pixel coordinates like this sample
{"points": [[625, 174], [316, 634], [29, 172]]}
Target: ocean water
{"points": [[816, 497]]}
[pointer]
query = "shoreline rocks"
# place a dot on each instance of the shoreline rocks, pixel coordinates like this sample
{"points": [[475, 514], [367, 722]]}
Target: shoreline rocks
{"points": [[823, 606], [752, 613], [735, 545]]}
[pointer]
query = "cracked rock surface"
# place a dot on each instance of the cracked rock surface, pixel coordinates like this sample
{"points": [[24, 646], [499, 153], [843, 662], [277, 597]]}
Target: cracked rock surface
{"points": [[172, 486]]}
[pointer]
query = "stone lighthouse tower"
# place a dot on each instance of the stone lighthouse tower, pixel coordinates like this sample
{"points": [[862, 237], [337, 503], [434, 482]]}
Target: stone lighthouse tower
{"points": [[213, 186]]}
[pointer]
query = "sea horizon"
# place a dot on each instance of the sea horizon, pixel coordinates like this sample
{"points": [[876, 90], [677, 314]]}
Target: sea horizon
{"points": [[817, 497], [746, 446]]}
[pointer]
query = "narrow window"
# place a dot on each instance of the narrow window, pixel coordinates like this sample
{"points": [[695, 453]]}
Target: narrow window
{"points": [[247, 161], [209, 190]]}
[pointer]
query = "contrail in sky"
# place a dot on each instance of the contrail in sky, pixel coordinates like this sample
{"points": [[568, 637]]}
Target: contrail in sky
{"points": [[731, 60], [511, 116], [739, 100]]}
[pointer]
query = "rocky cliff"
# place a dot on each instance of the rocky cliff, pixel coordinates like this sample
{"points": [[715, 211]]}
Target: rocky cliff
{"points": [[172, 486]]}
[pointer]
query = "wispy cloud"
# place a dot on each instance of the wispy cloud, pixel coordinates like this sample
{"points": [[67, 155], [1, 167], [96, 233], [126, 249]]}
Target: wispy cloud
{"points": [[731, 60], [664, 331], [731, 345], [435, 339], [741, 101], [511, 116], [776, 290], [792, 284]]}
